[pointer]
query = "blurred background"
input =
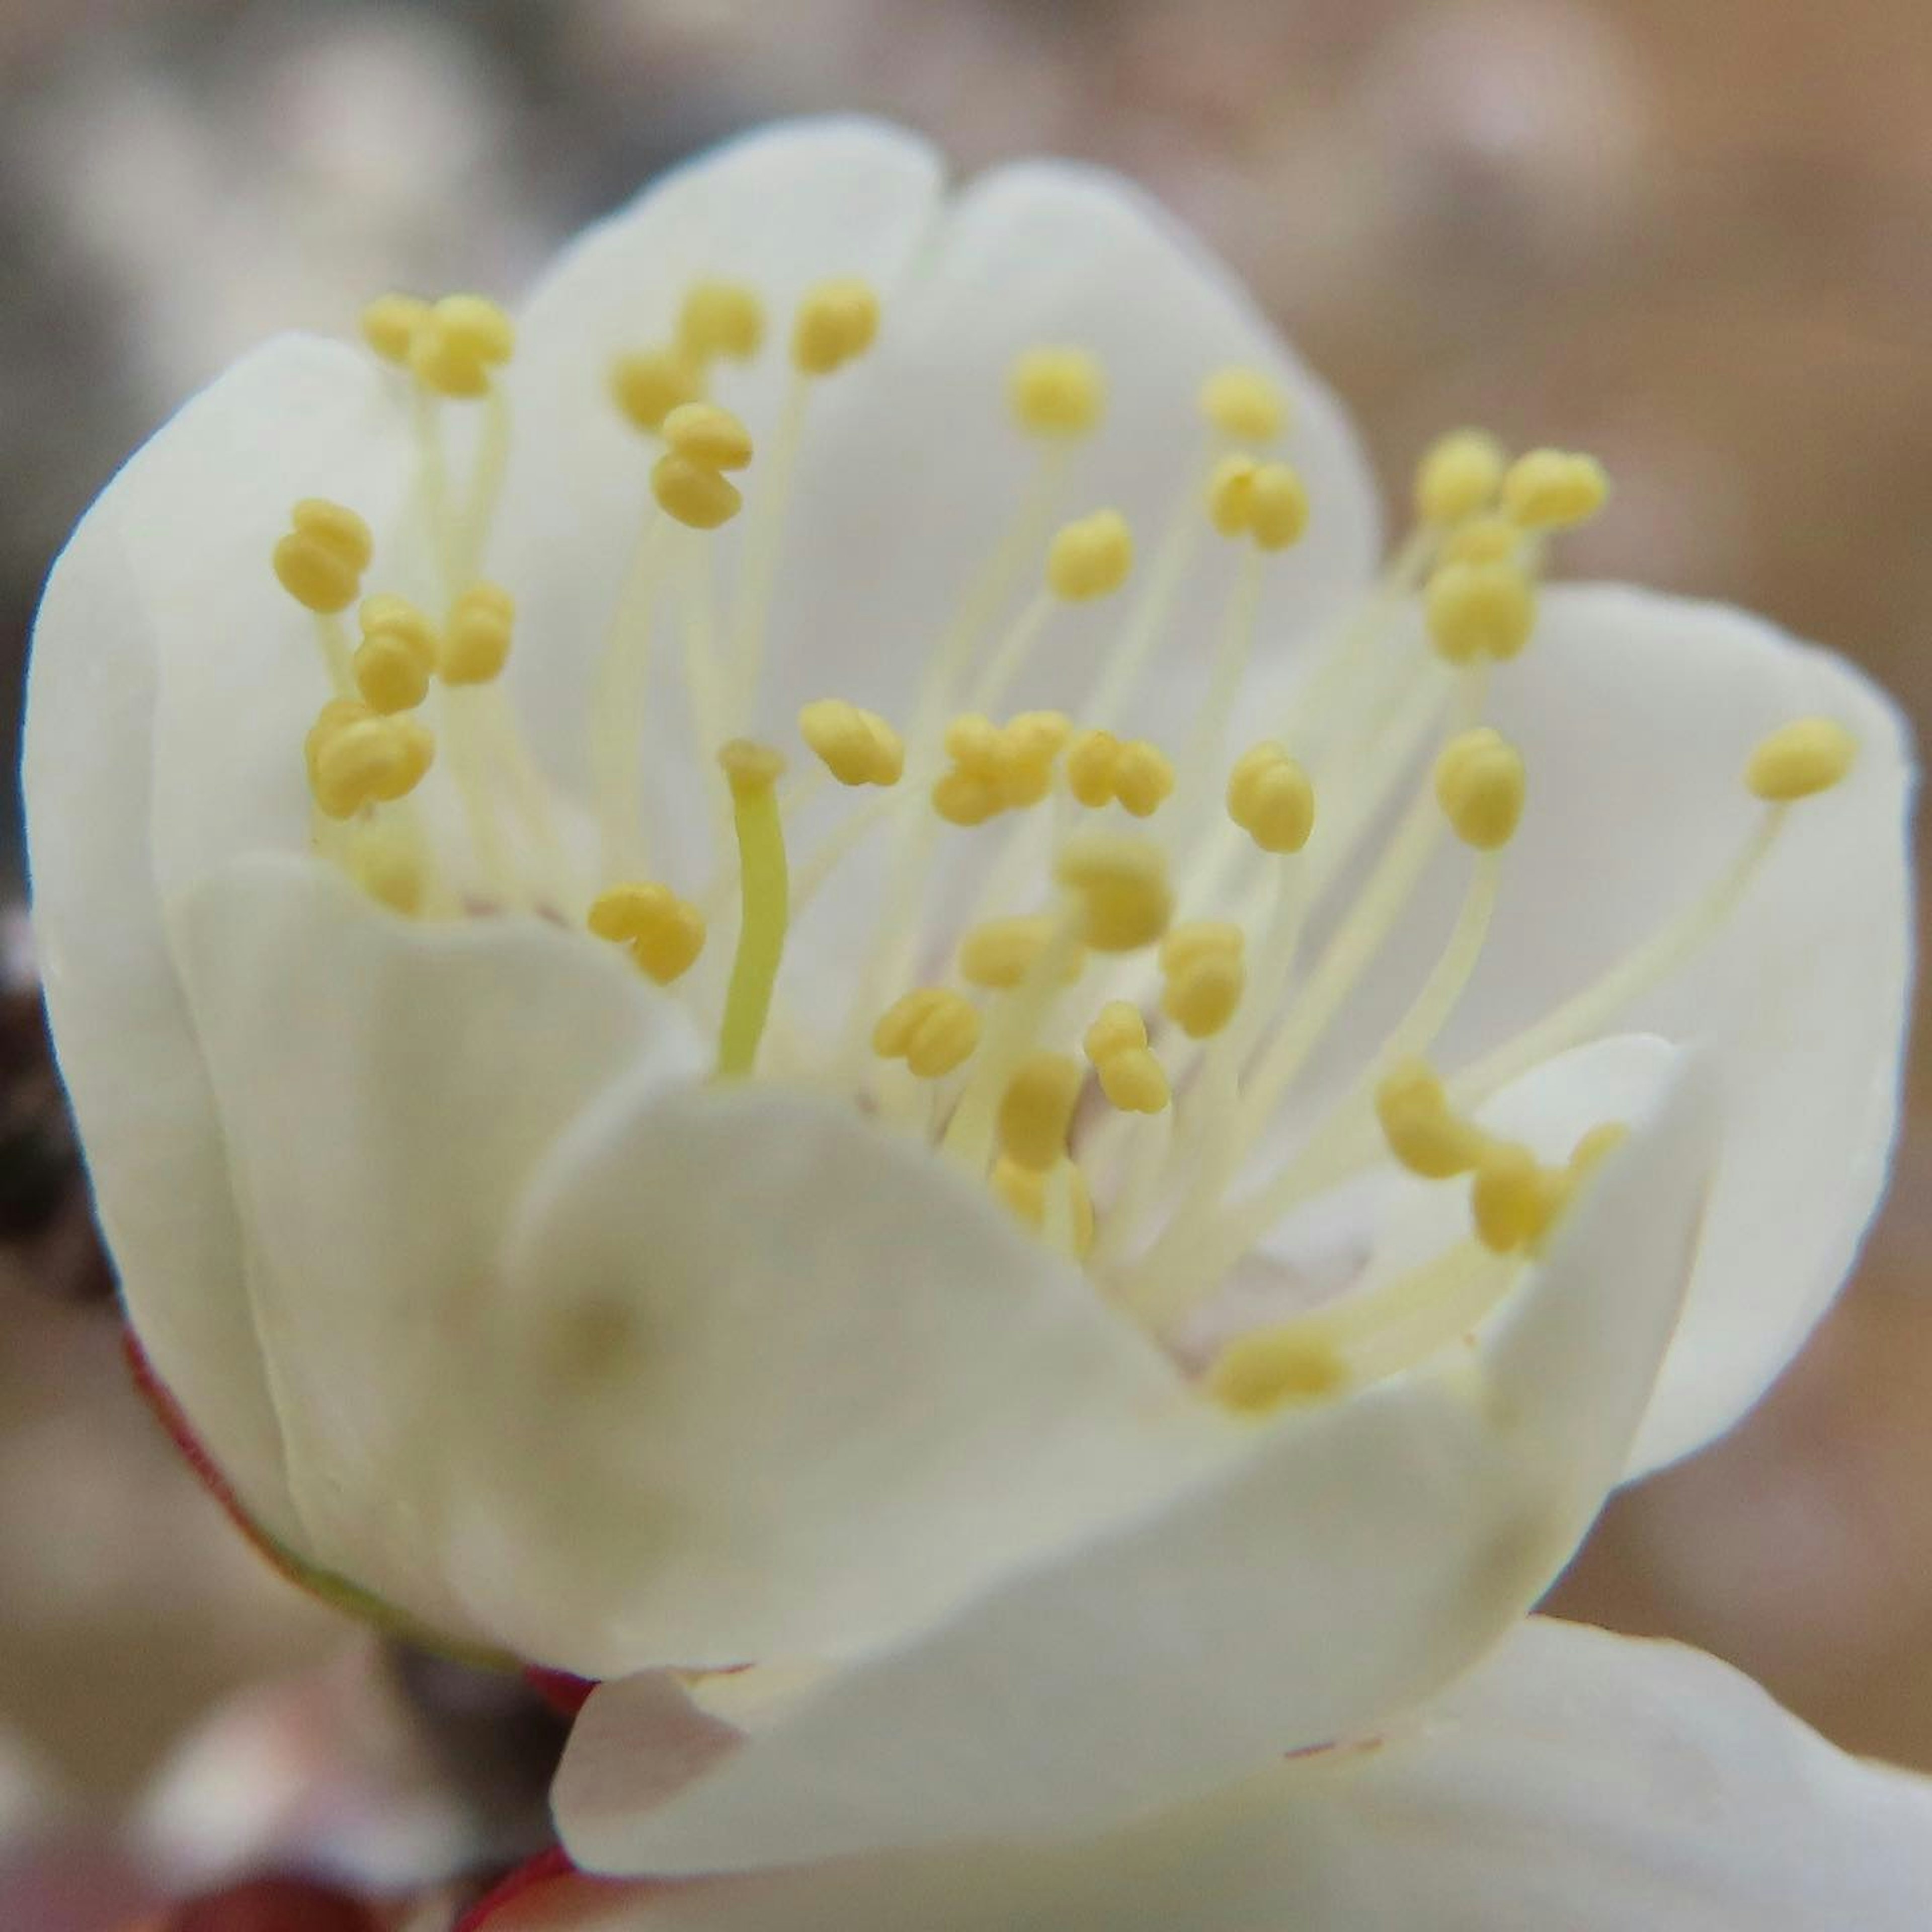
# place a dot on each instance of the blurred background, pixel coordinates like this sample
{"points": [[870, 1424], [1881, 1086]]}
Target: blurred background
{"points": [[1696, 239]]}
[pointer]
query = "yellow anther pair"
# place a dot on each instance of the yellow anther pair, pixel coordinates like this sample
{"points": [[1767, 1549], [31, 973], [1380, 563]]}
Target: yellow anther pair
{"points": [[858, 748], [836, 322], [1479, 785], [396, 658], [1058, 392], [997, 768], [321, 560], [450, 346], [1266, 502], [1025, 1192], [702, 441], [1244, 404], [647, 385], [1271, 798], [932, 1029], [1458, 477], [1090, 557], [663, 933], [357, 757], [1205, 974], [720, 320], [1516, 1201], [1036, 1112], [1259, 1373], [476, 640], [1423, 1132], [1102, 769], [1479, 608], [998, 954], [1554, 489], [1799, 759], [1131, 1077], [1121, 886]]}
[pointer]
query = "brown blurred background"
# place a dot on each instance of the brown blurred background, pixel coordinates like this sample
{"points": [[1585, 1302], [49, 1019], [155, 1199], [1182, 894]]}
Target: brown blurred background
{"points": [[1697, 239]]}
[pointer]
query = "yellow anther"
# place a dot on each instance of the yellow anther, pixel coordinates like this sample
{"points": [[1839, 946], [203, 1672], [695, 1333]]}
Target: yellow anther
{"points": [[750, 769], [320, 562], [389, 868], [932, 1029], [1245, 404], [1514, 1200], [1490, 538], [453, 348], [367, 760], [1458, 477], [1422, 1131], [708, 436], [858, 748], [1118, 1027], [648, 384], [663, 933], [1479, 609], [476, 643], [1134, 1081], [1479, 785], [1200, 939], [1122, 883], [693, 493], [999, 953], [1277, 507], [1091, 760], [1798, 760], [964, 798], [333, 716], [1230, 494], [389, 325], [1090, 557], [1553, 490], [1025, 1192], [836, 321], [1058, 392], [1201, 997], [1036, 1109], [1143, 778], [1036, 734], [397, 654], [1271, 798], [973, 743], [721, 319], [1260, 1372]]}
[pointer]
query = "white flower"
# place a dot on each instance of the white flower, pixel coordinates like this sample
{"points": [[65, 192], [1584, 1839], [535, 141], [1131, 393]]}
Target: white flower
{"points": [[603, 1295]]}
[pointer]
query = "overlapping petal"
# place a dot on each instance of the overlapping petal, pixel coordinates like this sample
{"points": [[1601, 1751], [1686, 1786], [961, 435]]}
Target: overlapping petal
{"points": [[1363, 1554]]}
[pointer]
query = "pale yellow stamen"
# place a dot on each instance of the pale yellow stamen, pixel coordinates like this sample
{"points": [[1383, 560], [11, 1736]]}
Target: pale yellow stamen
{"points": [[1488, 538], [389, 325], [858, 748], [693, 493], [476, 642], [1036, 1109], [1553, 490], [998, 954], [752, 772], [1131, 1077], [320, 562], [1480, 786], [1458, 477], [396, 657], [836, 322], [1479, 610], [356, 761], [1277, 508], [1058, 392], [1090, 558], [389, 865], [455, 346], [1122, 886], [1102, 770], [932, 1029], [1230, 494], [1800, 760], [649, 385], [708, 436], [1272, 799], [664, 934], [1203, 991], [1423, 1132], [1245, 404], [721, 319]]}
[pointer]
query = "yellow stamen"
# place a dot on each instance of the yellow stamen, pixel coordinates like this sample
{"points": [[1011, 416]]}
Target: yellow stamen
{"points": [[1122, 886], [476, 644], [1800, 760], [1133, 1079], [711, 437], [1423, 1131], [693, 493], [1272, 799], [1201, 994], [932, 1029], [1036, 1109], [649, 385], [1259, 1373], [858, 748], [999, 953], [721, 319], [1090, 558], [320, 562], [1058, 392], [1553, 490], [1479, 610], [1458, 477], [397, 654], [664, 934], [1488, 538], [1230, 494], [752, 772], [388, 866], [1277, 507], [455, 347], [1245, 404], [1480, 786], [389, 325], [836, 322], [1101, 770], [354, 761]]}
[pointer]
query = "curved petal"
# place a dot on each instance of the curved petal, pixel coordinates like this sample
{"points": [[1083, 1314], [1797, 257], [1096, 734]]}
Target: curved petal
{"points": [[385, 1091], [162, 626], [792, 1388], [1579, 1779], [1366, 1552]]}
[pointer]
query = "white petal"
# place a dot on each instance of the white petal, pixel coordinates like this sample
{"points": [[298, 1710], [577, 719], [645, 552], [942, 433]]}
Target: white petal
{"points": [[834, 1388], [1579, 1779], [1366, 1553], [385, 1090], [1636, 714], [778, 209], [164, 728]]}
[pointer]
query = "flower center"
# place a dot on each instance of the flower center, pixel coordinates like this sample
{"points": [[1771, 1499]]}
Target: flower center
{"points": [[1127, 1008]]}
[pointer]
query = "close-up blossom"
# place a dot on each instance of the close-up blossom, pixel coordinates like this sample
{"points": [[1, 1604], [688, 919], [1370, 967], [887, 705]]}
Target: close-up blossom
{"points": [[804, 981]]}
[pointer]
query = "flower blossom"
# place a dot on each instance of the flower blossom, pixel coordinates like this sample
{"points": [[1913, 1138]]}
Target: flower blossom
{"points": [[801, 972]]}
